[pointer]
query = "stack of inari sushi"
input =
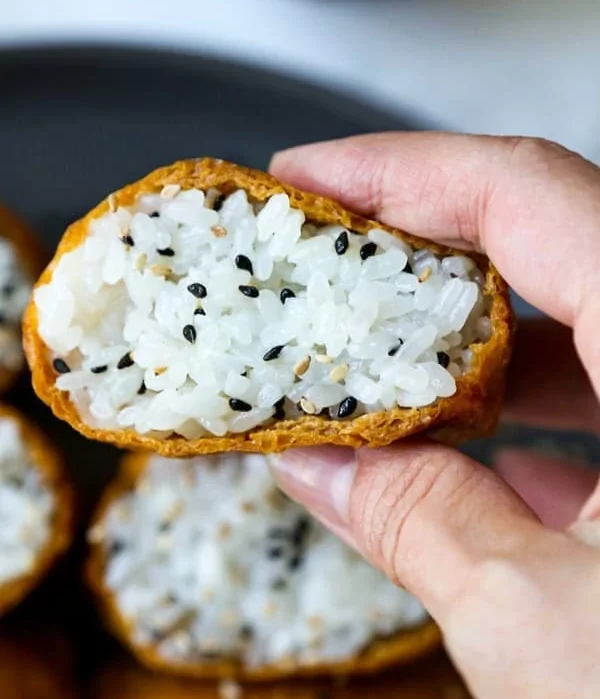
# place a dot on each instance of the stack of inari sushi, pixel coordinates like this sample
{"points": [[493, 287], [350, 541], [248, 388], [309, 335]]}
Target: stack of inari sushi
{"points": [[36, 501], [208, 316]]}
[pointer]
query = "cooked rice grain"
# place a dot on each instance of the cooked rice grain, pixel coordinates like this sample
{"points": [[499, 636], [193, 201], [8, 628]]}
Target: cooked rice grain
{"points": [[235, 320]]}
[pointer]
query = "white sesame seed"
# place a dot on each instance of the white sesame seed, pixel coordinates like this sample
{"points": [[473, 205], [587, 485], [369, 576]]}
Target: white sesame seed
{"points": [[170, 190], [425, 274], [339, 373], [219, 231], [160, 270], [308, 406], [302, 366]]}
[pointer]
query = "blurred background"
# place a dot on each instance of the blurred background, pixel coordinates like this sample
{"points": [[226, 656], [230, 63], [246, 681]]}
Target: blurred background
{"points": [[93, 95]]}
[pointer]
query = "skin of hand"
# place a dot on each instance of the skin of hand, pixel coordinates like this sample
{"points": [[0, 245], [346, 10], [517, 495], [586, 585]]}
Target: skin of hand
{"points": [[507, 562]]}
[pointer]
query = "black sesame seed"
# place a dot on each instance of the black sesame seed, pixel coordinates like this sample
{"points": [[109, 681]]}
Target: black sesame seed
{"points": [[189, 332], [219, 202], [125, 361], [99, 369], [154, 214], [443, 359], [128, 240], [244, 373], [199, 312], [166, 252], [453, 276], [115, 547], [341, 243], [273, 353], [279, 584], [368, 250], [197, 290], [142, 389], [164, 527], [286, 294], [243, 262], [239, 405], [347, 407], [249, 291], [246, 632], [60, 366], [301, 528], [278, 533], [407, 268], [392, 352], [8, 289], [275, 552], [295, 562], [279, 413]]}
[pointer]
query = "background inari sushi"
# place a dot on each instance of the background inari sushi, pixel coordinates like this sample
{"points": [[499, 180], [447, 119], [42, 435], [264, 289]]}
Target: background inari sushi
{"points": [[36, 508], [203, 568], [209, 307], [20, 264]]}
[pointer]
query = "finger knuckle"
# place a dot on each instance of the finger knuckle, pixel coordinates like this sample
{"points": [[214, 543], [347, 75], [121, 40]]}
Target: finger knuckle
{"points": [[389, 499], [537, 153]]}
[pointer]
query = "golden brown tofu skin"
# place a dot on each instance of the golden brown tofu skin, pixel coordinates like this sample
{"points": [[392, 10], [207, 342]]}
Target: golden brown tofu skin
{"points": [[471, 412], [30, 257], [49, 464]]}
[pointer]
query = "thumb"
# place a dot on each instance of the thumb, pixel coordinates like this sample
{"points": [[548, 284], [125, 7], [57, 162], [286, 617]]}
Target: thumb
{"points": [[424, 514]]}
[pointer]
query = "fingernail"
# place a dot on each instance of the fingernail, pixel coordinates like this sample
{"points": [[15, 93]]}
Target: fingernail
{"points": [[591, 507], [320, 478], [586, 531]]}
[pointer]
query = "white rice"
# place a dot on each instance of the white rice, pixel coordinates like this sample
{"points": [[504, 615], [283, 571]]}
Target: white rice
{"points": [[208, 346], [15, 289], [207, 559], [26, 506]]}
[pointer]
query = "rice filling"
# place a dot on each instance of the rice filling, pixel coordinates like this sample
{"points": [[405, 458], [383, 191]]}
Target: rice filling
{"points": [[196, 314], [26, 506], [15, 288], [206, 559]]}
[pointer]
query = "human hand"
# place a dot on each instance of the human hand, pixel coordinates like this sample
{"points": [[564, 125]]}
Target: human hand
{"points": [[514, 588]]}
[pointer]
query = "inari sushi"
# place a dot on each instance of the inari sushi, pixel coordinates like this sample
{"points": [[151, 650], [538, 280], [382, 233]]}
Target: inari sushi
{"points": [[203, 568], [211, 308], [20, 264], [36, 508]]}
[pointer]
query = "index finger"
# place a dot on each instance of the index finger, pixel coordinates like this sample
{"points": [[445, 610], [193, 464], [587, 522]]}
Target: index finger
{"points": [[532, 206]]}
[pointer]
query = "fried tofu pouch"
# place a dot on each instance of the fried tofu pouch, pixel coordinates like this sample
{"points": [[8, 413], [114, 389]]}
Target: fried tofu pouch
{"points": [[406, 646], [30, 256], [45, 459], [471, 412]]}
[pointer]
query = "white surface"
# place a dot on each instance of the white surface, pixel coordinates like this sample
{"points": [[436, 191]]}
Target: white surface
{"points": [[500, 66]]}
